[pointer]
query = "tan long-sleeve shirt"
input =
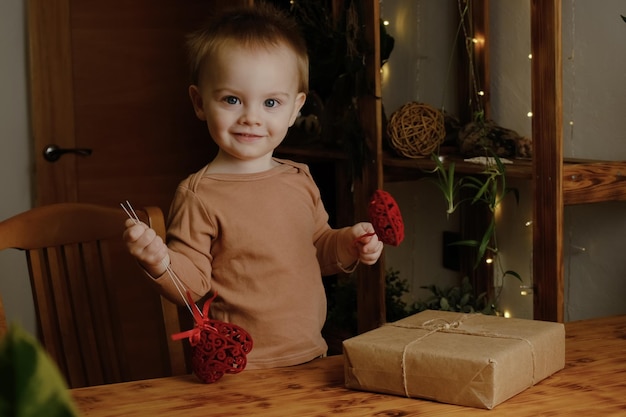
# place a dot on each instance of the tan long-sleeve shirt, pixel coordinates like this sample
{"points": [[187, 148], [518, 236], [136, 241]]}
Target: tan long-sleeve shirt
{"points": [[262, 242]]}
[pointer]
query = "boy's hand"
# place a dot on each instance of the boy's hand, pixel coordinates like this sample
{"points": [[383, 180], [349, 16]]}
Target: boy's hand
{"points": [[145, 245], [365, 243]]}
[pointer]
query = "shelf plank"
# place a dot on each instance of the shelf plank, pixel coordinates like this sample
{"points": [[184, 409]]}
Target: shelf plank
{"points": [[594, 182], [403, 169], [584, 181]]}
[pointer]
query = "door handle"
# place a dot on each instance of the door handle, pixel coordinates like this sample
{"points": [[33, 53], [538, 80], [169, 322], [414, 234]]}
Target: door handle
{"points": [[52, 153]]}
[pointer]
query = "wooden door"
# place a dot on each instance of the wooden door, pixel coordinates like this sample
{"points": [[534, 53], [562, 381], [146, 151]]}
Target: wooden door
{"points": [[111, 77]]}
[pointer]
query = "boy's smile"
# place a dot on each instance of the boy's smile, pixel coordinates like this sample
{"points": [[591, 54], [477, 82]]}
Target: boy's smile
{"points": [[249, 98]]}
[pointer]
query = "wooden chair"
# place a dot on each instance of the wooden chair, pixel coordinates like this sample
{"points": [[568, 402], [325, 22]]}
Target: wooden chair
{"points": [[98, 317]]}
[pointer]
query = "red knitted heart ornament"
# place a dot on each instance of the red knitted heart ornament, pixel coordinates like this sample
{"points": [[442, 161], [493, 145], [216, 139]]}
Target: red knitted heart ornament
{"points": [[218, 348], [385, 216]]}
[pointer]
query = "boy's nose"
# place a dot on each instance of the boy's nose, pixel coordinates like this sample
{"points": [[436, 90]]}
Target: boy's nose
{"points": [[250, 116]]}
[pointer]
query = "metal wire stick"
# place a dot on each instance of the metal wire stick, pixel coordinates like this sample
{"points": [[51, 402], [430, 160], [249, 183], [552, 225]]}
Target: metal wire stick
{"points": [[175, 279]]}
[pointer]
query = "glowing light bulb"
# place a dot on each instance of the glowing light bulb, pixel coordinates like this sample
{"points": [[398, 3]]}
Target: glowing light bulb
{"points": [[530, 56], [489, 260], [529, 114], [507, 314], [386, 22], [526, 289], [481, 93]]}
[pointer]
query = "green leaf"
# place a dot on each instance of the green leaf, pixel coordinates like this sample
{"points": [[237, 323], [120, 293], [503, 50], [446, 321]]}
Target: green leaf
{"points": [[464, 299], [453, 295], [481, 191], [485, 241], [31, 385], [466, 285], [470, 243], [499, 164], [513, 274]]}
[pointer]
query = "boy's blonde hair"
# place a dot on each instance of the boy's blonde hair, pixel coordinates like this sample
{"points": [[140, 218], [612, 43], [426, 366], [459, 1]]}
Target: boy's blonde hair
{"points": [[260, 26]]}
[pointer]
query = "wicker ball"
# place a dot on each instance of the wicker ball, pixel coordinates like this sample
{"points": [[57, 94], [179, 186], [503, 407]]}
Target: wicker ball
{"points": [[416, 129]]}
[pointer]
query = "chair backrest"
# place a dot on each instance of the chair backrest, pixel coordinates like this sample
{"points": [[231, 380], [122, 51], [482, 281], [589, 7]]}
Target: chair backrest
{"points": [[99, 319]]}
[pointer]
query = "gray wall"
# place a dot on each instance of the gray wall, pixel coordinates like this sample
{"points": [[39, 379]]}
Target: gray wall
{"points": [[15, 157], [594, 126]]}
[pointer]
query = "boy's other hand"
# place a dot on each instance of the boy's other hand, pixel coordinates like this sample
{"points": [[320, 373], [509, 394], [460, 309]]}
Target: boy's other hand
{"points": [[365, 241]]}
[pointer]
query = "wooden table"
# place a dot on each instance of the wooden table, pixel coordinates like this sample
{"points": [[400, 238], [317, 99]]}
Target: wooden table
{"points": [[592, 383]]}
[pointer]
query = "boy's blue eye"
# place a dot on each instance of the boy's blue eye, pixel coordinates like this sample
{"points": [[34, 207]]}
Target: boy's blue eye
{"points": [[270, 102], [231, 100]]}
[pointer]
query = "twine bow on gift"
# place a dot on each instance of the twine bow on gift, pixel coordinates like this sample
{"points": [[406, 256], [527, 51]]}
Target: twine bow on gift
{"points": [[441, 325], [433, 326]]}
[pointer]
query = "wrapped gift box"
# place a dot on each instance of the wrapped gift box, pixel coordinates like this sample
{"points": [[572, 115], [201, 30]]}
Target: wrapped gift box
{"points": [[465, 359]]}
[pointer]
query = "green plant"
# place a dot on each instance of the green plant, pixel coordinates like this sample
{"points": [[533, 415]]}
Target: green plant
{"points": [[342, 302], [395, 289], [459, 298], [446, 183], [489, 189]]}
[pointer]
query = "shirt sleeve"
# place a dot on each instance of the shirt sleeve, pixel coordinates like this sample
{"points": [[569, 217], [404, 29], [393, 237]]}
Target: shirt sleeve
{"points": [[326, 239], [189, 235]]}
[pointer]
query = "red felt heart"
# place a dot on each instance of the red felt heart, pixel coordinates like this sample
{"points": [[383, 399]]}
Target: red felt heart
{"points": [[385, 216], [221, 349], [218, 348]]}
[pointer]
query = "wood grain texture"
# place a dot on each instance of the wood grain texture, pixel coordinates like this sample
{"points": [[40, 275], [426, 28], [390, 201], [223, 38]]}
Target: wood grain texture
{"points": [[371, 279], [594, 182], [592, 383], [547, 160], [99, 322], [51, 97]]}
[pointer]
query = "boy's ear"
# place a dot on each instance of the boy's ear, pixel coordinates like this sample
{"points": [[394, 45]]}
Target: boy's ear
{"points": [[300, 99], [196, 100]]}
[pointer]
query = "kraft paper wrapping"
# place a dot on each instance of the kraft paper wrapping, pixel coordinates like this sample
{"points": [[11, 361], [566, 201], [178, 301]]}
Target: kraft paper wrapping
{"points": [[465, 359]]}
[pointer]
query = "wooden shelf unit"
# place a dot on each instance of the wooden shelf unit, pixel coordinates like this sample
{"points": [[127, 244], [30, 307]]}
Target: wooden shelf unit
{"points": [[556, 182]]}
